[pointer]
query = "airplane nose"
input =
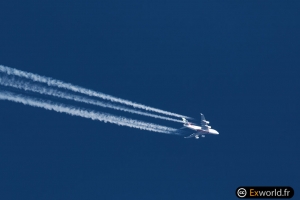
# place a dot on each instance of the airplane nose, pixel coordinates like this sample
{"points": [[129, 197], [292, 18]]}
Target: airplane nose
{"points": [[213, 131]]}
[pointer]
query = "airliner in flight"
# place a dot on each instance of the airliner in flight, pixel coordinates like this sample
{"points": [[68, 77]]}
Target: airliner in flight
{"points": [[200, 130]]}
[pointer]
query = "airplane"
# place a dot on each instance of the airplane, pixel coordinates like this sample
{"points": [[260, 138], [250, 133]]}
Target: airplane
{"points": [[200, 130]]}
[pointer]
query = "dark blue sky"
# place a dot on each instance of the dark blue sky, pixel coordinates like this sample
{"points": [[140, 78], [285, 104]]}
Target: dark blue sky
{"points": [[235, 61]]}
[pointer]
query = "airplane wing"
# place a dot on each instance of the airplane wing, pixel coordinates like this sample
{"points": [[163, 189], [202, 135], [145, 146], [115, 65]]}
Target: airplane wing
{"points": [[204, 123], [191, 136]]}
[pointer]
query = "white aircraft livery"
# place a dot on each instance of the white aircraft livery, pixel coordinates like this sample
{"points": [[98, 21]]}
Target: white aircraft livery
{"points": [[200, 130]]}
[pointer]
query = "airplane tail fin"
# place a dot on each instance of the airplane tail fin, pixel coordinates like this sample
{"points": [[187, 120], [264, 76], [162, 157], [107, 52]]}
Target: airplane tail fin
{"points": [[185, 121]]}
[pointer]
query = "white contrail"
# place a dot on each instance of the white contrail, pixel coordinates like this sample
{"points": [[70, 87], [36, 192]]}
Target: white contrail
{"points": [[53, 92], [104, 117], [74, 88]]}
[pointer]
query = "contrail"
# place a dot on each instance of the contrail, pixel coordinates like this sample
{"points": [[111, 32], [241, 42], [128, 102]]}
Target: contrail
{"points": [[74, 88], [104, 117], [53, 92]]}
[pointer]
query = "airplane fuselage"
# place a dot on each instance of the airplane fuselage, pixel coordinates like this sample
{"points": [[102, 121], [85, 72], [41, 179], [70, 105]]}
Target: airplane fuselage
{"points": [[202, 131]]}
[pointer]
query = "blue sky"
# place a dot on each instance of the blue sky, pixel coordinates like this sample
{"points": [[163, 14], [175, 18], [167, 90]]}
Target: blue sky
{"points": [[235, 61]]}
